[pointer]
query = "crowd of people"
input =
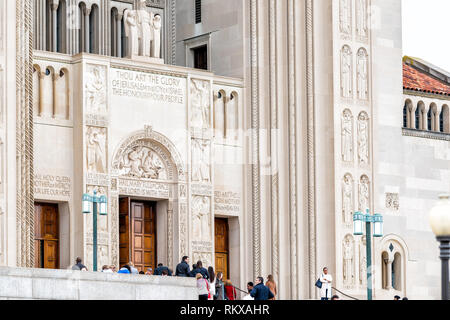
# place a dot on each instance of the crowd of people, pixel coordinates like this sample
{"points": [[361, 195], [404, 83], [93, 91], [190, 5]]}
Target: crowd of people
{"points": [[210, 286]]}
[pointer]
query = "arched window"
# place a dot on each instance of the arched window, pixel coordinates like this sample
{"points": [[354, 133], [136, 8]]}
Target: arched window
{"points": [[420, 116], [444, 120], [393, 259], [82, 24], [232, 112], [405, 116], [61, 28], [431, 117], [219, 114], [113, 29], [94, 41]]}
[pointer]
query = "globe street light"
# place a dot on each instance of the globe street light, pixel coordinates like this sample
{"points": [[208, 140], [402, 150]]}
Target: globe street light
{"points": [[87, 200], [440, 224], [359, 219]]}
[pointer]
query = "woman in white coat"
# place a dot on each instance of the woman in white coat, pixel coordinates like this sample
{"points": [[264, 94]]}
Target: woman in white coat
{"points": [[326, 279]]}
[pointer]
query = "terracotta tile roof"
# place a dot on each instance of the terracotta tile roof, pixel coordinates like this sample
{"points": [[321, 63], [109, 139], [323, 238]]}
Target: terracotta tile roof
{"points": [[414, 79]]}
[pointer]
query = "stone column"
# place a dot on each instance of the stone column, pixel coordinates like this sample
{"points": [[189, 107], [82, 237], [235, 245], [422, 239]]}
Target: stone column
{"points": [[54, 6], [119, 17], [389, 275], [41, 96], [87, 13]]}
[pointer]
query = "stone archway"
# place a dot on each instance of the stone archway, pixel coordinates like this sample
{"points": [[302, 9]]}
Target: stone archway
{"points": [[147, 165]]}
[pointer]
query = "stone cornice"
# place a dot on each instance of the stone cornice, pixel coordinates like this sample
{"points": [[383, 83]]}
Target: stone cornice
{"points": [[426, 134]]}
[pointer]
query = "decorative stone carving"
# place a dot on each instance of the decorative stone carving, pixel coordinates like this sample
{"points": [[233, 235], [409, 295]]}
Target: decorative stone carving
{"points": [[183, 229], [347, 136], [362, 74], [114, 230], [348, 260], [201, 169], [201, 212], [346, 72], [392, 201], [364, 194], [345, 16], [204, 257], [142, 162], [161, 145], [361, 19], [102, 221], [143, 29], [96, 149], [362, 262], [363, 138], [347, 199], [96, 89], [200, 104]]}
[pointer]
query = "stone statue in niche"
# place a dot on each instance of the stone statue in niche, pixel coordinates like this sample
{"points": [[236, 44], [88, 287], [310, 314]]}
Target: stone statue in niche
{"points": [[142, 162], [201, 170], [346, 72], [96, 145], [363, 138], [362, 78], [96, 90], [143, 29], [348, 255], [347, 199], [200, 97], [157, 24], [202, 223], [347, 136], [362, 262], [361, 18], [364, 194], [345, 16]]}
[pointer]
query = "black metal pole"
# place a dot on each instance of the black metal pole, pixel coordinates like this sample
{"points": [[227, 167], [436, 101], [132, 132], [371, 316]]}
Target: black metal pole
{"points": [[445, 255]]}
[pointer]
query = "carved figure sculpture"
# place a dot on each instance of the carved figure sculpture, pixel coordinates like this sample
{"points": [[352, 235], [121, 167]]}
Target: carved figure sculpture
{"points": [[362, 78], [347, 136], [346, 72], [157, 24], [348, 260], [347, 198], [95, 150], [132, 32]]}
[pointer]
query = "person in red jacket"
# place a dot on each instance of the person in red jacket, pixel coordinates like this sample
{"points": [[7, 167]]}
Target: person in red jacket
{"points": [[230, 291]]}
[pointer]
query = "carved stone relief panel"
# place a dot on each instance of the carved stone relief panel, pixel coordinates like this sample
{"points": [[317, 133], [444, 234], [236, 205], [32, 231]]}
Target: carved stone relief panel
{"points": [[364, 194], [362, 77], [96, 89], [362, 262], [200, 104], [348, 261], [102, 221], [362, 30], [345, 17], [204, 257], [114, 216], [392, 201], [201, 218], [347, 199], [142, 162], [183, 230], [96, 150], [201, 168], [347, 136], [363, 139], [346, 72]]}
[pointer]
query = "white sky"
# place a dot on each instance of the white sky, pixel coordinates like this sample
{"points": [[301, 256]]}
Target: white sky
{"points": [[426, 31]]}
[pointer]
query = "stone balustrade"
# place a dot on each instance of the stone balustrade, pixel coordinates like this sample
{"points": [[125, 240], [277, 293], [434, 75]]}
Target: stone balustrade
{"points": [[46, 284]]}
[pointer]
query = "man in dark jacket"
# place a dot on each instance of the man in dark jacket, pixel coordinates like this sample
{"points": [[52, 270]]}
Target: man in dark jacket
{"points": [[78, 265], [159, 270], [183, 269], [200, 270], [260, 291]]}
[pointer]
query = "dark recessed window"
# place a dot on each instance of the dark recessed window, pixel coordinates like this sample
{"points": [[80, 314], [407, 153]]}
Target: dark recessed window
{"points": [[198, 11], [201, 57]]}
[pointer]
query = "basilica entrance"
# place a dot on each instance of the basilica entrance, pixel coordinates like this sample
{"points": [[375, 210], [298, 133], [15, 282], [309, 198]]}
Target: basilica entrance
{"points": [[46, 236], [137, 233]]}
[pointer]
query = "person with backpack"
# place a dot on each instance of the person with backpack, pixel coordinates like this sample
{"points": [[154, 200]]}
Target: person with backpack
{"points": [[325, 288]]}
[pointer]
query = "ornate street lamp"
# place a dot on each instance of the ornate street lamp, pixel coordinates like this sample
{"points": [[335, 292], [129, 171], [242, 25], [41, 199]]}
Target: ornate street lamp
{"points": [[86, 207], [359, 219], [440, 224]]}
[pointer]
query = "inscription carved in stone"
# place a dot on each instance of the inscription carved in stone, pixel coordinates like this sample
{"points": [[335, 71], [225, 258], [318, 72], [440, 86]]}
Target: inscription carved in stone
{"points": [[53, 186]]}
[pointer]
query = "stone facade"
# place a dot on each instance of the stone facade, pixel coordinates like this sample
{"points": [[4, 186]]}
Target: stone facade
{"points": [[309, 132]]}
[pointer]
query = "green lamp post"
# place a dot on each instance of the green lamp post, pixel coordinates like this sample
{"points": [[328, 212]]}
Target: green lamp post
{"points": [[359, 219], [100, 202]]}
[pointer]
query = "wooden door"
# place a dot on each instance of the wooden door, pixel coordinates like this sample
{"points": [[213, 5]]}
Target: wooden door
{"points": [[143, 230], [221, 246], [124, 231], [46, 236]]}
